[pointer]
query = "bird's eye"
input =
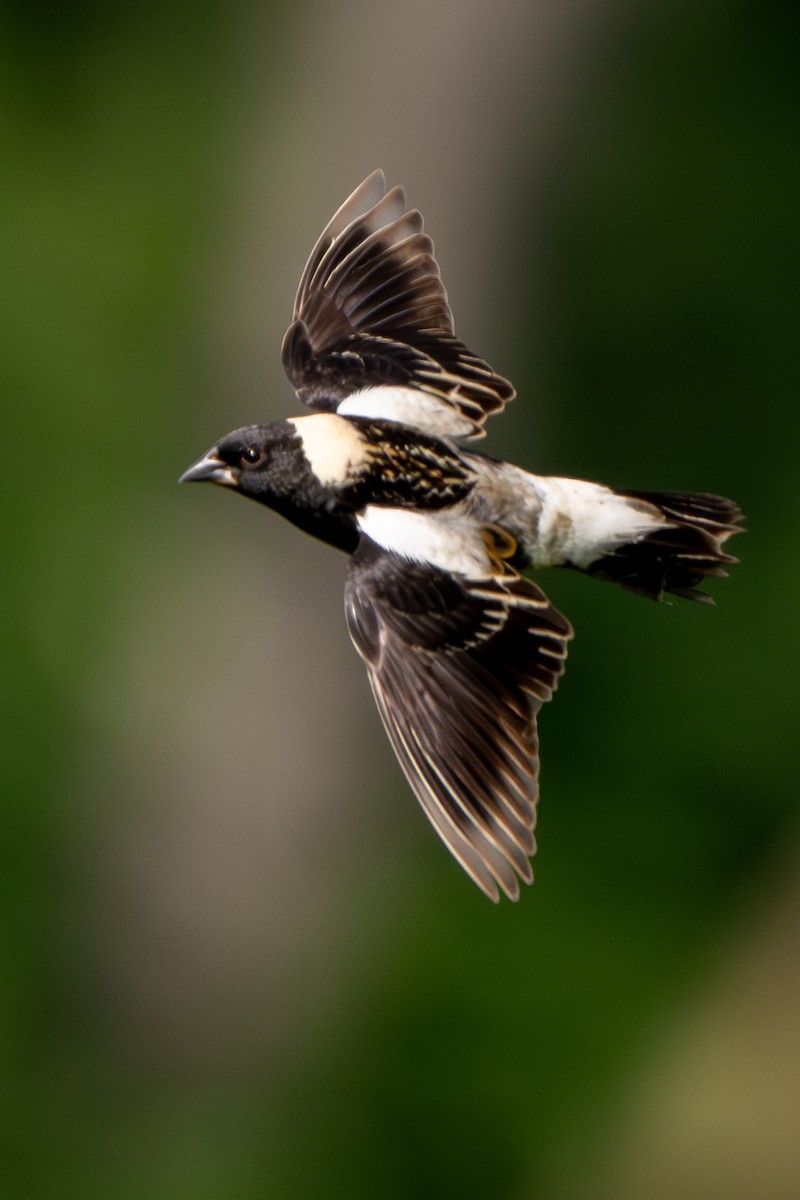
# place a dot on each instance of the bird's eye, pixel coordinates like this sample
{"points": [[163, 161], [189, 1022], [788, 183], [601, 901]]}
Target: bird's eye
{"points": [[251, 455]]}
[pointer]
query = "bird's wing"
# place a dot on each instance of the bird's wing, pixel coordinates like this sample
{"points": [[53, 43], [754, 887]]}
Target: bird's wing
{"points": [[459, 669], [373, 331]]}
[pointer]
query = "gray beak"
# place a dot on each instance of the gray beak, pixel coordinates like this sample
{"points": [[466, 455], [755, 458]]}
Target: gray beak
{"points": [[210, 468]]}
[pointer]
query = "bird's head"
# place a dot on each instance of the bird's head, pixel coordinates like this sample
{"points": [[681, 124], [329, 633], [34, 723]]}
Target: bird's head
{"points": [[261, 461], [270, 464]]}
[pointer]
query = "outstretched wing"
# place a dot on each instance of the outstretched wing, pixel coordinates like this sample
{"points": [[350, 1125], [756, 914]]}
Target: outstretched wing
{"points": [[459, 669], [372, 333]]}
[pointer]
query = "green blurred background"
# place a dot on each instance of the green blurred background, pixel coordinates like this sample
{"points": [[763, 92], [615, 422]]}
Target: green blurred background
{"points": [[236, 962]]}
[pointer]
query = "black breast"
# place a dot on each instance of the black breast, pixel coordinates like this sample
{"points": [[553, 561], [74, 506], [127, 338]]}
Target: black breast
{"points": [[334, 525]]}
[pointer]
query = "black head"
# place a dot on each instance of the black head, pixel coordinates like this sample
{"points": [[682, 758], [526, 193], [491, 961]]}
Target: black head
{"points": [[267, 463], [262, 461]]}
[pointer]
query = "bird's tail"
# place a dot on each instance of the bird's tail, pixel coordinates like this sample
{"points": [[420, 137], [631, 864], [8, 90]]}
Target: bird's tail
{"points": [[676, 556]]}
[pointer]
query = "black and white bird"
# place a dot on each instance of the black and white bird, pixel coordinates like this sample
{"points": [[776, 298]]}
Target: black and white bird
{"points": [[462, 650]]}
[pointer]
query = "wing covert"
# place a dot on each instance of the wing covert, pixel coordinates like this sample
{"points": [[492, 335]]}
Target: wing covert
{"points": [[372, 328]]}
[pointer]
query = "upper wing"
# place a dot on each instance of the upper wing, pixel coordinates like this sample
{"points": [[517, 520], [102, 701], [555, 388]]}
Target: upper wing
{"points": [[372, 328], [459, 669]]}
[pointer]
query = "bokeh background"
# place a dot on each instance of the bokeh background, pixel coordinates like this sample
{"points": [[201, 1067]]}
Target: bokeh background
{"points": [[235, 960]]}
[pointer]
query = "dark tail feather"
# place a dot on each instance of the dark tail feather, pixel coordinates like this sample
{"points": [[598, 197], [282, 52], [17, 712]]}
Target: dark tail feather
{"points": [[680, 555]]}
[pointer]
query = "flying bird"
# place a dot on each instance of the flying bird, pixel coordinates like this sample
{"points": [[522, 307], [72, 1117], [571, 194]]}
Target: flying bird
{"points": [[461, 648]]}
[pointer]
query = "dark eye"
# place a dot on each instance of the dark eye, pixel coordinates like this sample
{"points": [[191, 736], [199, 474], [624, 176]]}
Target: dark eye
{"points": [[251, 455]]}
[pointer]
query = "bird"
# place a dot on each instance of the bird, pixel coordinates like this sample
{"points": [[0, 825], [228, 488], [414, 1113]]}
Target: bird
{"points": [[461, 646]]}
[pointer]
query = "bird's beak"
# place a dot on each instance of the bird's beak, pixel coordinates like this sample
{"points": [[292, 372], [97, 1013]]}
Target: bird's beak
{"points": [[211, 468]]}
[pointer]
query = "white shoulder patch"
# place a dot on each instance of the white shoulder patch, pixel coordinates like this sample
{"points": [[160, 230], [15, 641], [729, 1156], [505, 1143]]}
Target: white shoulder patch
{"points": [[442, 539], [331, 445], [412, 407]]}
